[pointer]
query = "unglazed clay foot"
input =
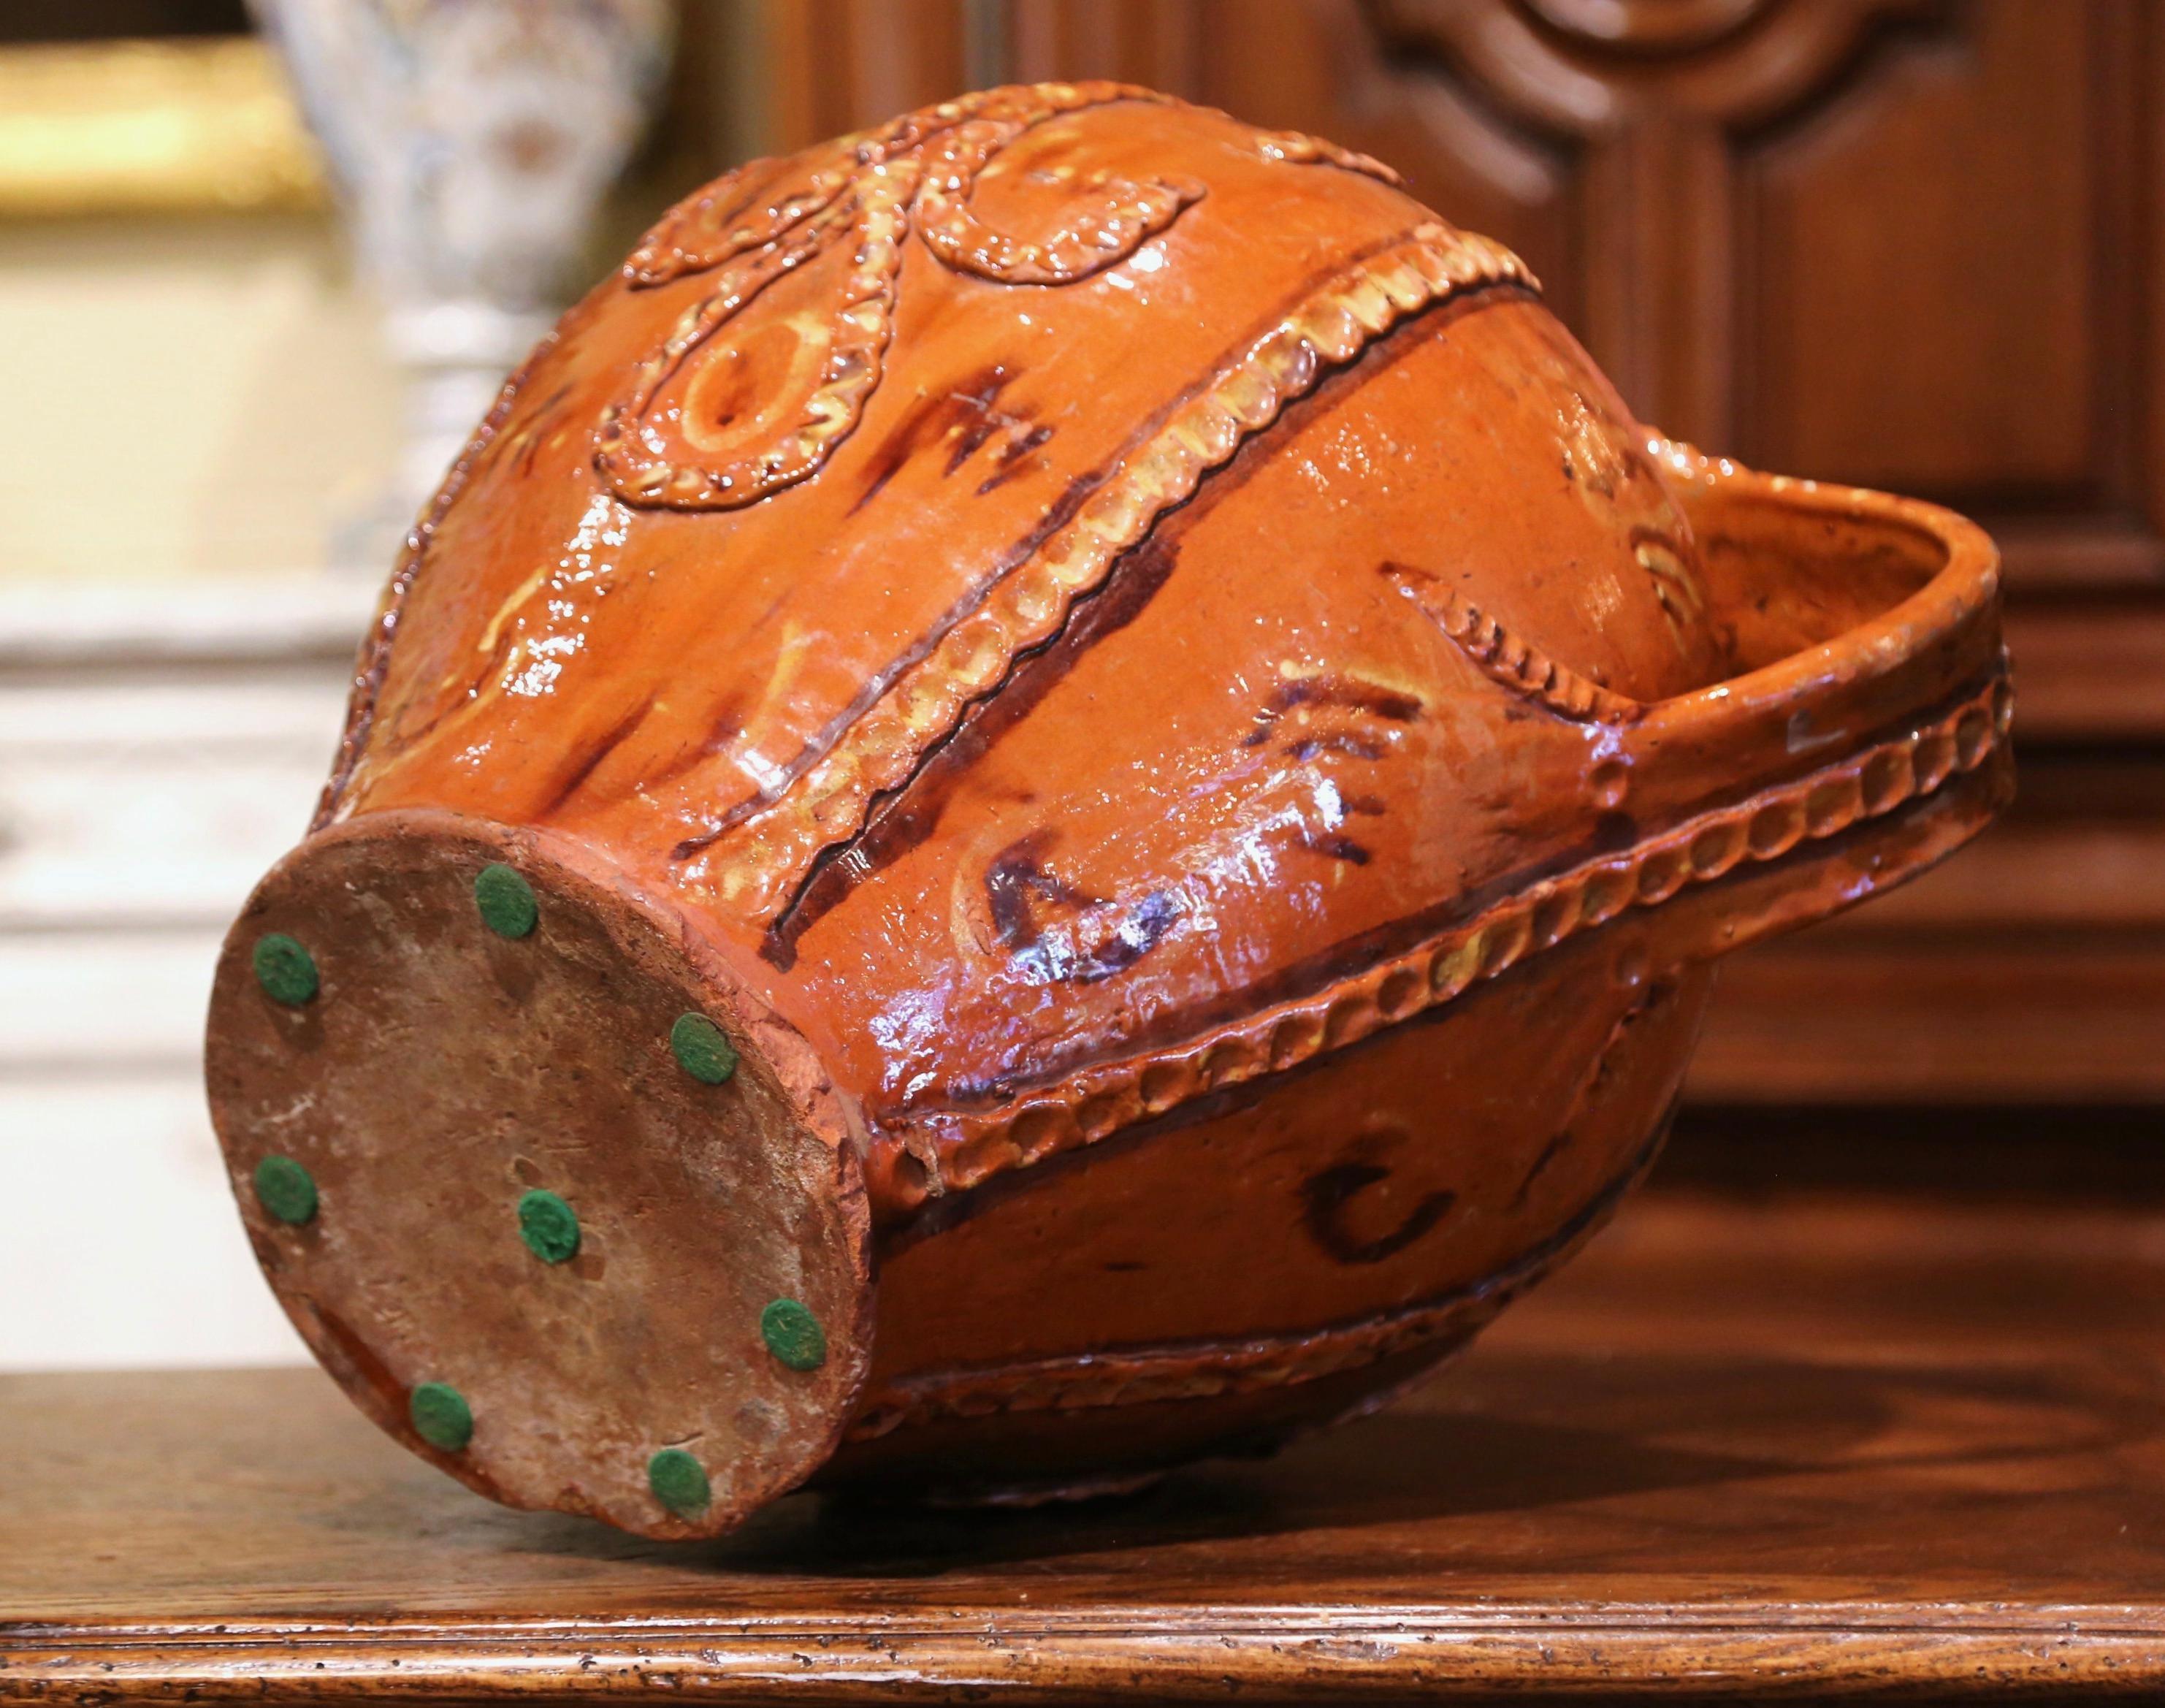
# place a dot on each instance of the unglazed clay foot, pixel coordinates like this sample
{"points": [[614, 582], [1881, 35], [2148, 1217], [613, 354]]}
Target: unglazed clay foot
{"points": [[562, 1206]]}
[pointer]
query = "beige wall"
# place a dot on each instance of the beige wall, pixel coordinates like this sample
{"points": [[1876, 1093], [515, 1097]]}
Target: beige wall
{"points": [[194, 408], [184, 396], [192, 405]]}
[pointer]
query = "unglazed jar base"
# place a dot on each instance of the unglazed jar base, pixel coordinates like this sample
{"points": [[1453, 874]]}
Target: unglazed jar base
{"points": [[442, 1072], [1188, 759]]}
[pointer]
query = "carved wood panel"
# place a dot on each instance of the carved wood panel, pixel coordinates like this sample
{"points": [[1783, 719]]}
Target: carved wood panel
{"points": [[1911, 243]]}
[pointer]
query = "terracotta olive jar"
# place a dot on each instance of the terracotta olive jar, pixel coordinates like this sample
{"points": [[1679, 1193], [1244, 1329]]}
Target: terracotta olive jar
{"points": [[1054, 791]]}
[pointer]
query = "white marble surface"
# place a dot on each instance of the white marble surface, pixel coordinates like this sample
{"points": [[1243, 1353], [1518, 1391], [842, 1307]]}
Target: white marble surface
{"points": [[160, 747]]}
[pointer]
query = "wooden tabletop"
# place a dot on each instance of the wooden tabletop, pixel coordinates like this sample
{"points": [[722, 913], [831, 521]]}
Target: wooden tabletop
{"points": [[1825, 1442]]}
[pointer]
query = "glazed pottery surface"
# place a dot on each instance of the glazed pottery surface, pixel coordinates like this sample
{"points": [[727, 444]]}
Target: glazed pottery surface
{"points": [[1054, 791]]}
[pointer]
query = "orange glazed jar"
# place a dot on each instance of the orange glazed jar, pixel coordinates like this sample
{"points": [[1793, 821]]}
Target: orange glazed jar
{"points": [[1054, 791]]}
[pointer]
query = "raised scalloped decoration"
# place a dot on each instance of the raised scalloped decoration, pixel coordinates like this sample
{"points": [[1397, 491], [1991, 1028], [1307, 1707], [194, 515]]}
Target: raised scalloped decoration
{"points": [[879, 751], [758, 229], [1504, 657], [1144, 1375], [868, 191], [723, 221], [1110, 217], [1191, 1370], [846, 349], [1297, 148], [956, 1149]]}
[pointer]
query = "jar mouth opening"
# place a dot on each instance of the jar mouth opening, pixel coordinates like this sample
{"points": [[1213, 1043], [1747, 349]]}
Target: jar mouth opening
{"points": [[1805, 580]]}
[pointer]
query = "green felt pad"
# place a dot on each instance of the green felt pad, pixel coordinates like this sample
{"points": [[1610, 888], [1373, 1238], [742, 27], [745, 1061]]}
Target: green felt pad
{"points": [[549, 1227], [506, 901], [286, 1189], [679, 1482], [441, 1416], [793, 1335], [285, 971], [701, 1050]]}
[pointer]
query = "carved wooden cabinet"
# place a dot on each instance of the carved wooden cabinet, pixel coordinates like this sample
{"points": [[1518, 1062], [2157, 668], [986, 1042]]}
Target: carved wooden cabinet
{"points": [[1915, 244]]}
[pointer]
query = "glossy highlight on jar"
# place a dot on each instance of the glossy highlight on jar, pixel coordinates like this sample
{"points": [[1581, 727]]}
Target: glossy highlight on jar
{"points": [[1063, 783]]}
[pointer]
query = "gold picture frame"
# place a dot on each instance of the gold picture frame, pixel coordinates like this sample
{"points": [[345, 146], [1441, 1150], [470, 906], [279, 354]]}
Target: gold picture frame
{"points": [[179, 125]]}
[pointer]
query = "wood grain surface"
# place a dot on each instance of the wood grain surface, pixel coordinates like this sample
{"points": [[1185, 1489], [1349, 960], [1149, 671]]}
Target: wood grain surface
{"points": [[1831, 1443]]}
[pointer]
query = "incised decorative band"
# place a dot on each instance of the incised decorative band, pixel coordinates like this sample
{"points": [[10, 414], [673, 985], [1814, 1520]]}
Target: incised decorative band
{"points": [[881, 749], [958, 1148], [1201, 1370], [1503, 656]]}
